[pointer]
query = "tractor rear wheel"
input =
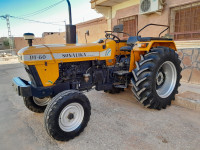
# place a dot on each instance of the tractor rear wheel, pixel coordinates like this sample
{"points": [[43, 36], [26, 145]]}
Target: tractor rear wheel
{"points": [[157, 77], [67, 115]]}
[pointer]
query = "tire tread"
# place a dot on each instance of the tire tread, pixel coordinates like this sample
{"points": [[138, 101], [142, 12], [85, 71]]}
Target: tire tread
{"points": [[142, 77]]}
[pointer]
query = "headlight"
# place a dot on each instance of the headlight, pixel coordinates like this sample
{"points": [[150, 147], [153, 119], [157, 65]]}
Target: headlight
{"points": [[142, 45]]}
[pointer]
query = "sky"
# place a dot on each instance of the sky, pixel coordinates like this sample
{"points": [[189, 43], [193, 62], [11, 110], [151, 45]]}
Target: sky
{"points": [[81, 11]]}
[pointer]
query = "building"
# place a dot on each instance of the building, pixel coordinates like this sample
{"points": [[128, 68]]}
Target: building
{"points": [[183, 17], [19, 42], [96, 28], [49, 33]]}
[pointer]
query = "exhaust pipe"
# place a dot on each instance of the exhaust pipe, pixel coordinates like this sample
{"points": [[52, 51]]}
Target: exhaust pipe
{"points": [[70, 29]]}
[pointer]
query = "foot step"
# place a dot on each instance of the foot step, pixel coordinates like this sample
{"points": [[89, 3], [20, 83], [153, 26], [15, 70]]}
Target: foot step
{"points": [[120, 86], [122, 72]]}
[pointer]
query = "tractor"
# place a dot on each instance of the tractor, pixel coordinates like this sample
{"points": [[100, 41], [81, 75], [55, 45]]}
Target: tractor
{"points": [[60, 74]]}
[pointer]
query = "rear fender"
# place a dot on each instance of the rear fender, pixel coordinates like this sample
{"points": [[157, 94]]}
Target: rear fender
{"points": [[135, 56], [155, 43], [137, 51]]}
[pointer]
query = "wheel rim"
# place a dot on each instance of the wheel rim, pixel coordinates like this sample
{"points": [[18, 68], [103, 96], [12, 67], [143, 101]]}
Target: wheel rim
{"points": [[41, 101], [71, 117], [166, 79]]}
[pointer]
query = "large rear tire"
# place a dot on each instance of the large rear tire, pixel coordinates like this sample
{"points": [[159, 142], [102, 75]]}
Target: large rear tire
{"points": [[157, 78], [67, 115]]}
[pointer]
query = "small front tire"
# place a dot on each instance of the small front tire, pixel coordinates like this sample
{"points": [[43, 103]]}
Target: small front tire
{"points": [[33, 104], [67, 115]]}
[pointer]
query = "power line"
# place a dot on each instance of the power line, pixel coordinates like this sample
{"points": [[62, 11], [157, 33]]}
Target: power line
{"points": [[31, 14], [57, 21], [41, 10], [36, 21]]}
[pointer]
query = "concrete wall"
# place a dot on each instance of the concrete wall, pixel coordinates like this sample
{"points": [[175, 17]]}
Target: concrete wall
{"points": [[20, 42], [48, 33], [96, 27], [58, 38]]}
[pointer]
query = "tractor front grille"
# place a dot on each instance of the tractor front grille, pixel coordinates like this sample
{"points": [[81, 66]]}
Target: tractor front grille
{"points": [[33, 75]]}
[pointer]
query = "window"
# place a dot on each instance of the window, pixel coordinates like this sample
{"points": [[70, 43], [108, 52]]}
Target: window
{"points": [[130, 25], [185, 21]]}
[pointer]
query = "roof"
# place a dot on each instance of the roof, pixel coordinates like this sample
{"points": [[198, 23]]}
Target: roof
{"points": [[91, 22], [105, 2]]}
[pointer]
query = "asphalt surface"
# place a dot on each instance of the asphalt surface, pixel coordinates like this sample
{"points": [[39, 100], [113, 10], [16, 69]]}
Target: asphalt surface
{"points": [[117, 122]]}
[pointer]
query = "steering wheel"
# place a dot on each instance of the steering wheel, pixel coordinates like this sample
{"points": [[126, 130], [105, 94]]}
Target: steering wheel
{"points": [[108, 35]]}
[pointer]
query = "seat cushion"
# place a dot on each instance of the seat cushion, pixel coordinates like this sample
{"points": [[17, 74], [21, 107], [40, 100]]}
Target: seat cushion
{"points": [[132, 40], [126, 48]]}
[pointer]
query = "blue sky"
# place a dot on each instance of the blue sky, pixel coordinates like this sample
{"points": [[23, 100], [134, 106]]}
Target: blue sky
{"points": [[81, 11]]}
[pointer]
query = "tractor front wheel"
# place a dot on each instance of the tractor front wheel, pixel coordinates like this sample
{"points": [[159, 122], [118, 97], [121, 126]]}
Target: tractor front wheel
{"points": [[67, 115], [36, 104], [157, 77]]}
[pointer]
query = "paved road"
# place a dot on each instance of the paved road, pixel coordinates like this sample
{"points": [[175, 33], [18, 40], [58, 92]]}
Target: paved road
{"points": [[117, 122]]}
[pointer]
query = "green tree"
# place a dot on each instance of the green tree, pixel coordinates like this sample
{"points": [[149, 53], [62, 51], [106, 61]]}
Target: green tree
{"points": [[6, 43]]}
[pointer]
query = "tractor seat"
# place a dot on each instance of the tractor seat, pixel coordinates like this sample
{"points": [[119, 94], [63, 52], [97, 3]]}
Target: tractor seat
{"points": [[130, 42], [133, 39]]}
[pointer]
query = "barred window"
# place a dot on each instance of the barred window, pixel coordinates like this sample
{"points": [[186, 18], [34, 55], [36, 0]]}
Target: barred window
{"points": [[185, 22], [130, 25]]}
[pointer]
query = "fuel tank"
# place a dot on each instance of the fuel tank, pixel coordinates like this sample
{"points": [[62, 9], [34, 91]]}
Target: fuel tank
{"points": [[59, 53]]}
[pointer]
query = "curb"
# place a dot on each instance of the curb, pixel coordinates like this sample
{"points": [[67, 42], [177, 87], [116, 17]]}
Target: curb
{"points": [[186, 100]]}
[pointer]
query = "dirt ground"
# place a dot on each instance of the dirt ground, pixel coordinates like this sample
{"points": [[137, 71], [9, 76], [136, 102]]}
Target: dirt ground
{"points": [[8, 60], [118, 122]]}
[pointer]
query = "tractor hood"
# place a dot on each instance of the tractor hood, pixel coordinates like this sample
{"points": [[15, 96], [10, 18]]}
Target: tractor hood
{"points": [[65, 52]]}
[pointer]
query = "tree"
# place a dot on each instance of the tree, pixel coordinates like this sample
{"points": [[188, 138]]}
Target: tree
{"points": [[6, 43]]}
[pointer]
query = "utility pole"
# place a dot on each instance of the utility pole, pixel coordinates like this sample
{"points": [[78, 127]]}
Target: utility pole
{"points": [[9, 31]]}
